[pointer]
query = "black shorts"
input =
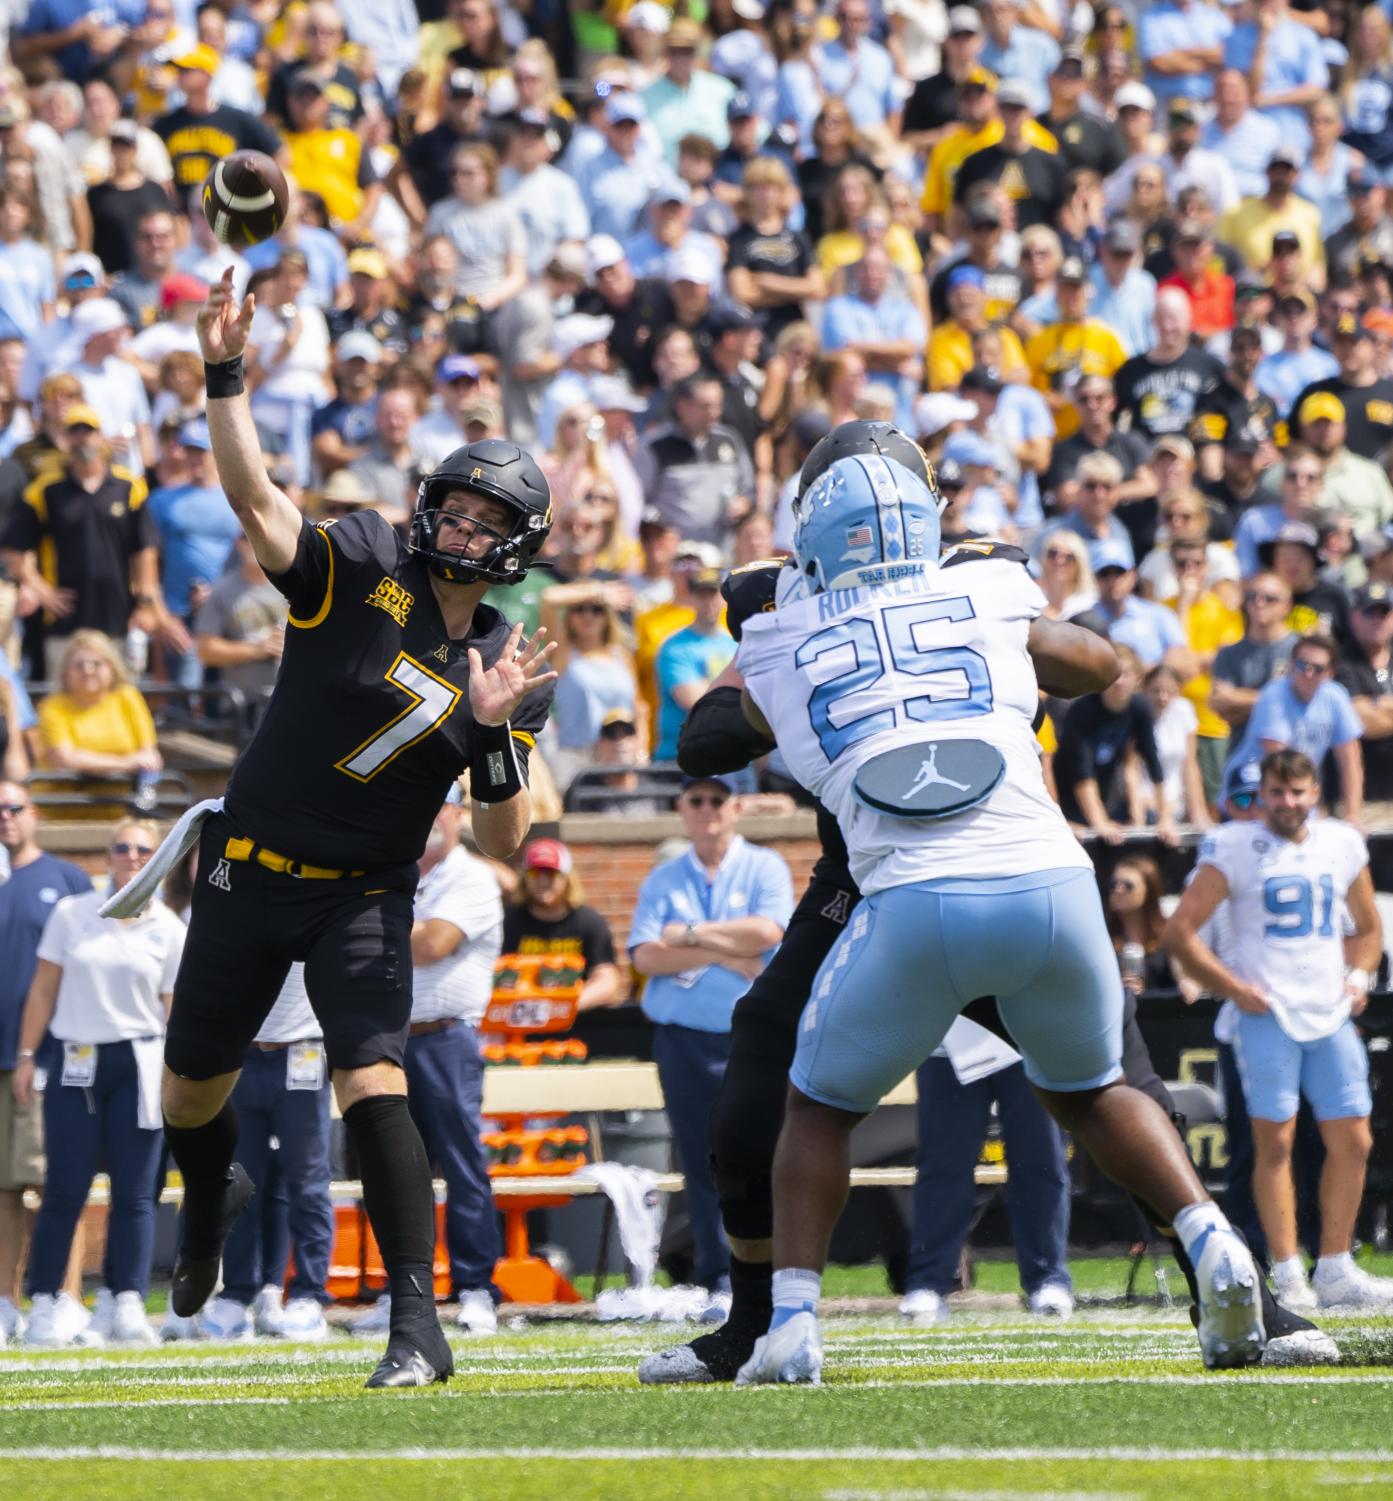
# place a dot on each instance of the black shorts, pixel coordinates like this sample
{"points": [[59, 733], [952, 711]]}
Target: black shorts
{"points": [[250, 924]]}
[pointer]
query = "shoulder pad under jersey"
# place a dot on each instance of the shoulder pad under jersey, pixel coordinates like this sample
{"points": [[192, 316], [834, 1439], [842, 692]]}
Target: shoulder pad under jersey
{"points": [[965, 552]]}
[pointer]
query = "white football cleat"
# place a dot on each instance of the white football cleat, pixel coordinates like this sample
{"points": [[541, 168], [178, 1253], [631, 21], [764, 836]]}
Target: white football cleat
{"points": [[1230, 1328], [303, 1319], [129, 1325], [1301, 1347], [377, 1320], [790, 1354], [177, 1328], [103, 1313], [226, 1319], [717, 1311], [1291, 1287], [1349, 1286], [11, 1319], [1052, 1301], [477, 1313], [58, 1322], [923, 1308], [268, 1312]]}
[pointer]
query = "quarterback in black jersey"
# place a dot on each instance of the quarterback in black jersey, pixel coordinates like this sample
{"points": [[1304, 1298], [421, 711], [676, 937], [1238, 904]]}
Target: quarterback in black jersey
{"points": [[396, 678]]}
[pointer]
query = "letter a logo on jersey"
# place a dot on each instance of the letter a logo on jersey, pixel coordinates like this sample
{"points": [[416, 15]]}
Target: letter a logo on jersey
{"points": [[221, 876], [838, 908]]}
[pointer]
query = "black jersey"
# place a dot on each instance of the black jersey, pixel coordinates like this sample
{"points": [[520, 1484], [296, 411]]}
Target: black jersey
{"points": [[369, 723]]}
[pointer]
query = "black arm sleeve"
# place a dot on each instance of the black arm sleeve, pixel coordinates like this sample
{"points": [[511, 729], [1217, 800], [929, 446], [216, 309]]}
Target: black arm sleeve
{"points": [[717, 738]]}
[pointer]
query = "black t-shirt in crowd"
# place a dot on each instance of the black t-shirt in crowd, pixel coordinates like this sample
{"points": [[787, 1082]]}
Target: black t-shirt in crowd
{"points": [[369, 724], [1361, 679], [1093, 745], [115, 213], [1126, 448], [1368, 413], [1086, 141], [650, 311], [428, 160], [1324, 607], [345, 97], [196, 142], [787, 252], [815, 179], [1225, 412], [932, 105], [1160, 258], [1220, 495], [1032, 179], [1157, 398], [91, 539], [581, 935]]}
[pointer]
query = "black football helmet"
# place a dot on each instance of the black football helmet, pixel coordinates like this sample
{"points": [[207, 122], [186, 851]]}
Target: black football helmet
{"points": [[500, 471], [849, 438]]}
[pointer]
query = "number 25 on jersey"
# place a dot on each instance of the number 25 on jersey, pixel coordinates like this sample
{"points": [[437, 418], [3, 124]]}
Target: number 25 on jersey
{"points": [[848, 661]]}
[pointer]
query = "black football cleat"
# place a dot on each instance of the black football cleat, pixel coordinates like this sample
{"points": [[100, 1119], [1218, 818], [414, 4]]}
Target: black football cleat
{"points": [[1291, 1339], [407, 1364], [195, 1277], [713, 1357]]}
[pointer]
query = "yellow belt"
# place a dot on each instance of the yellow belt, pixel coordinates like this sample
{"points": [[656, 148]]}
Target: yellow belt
{"points": [[249, 849]]}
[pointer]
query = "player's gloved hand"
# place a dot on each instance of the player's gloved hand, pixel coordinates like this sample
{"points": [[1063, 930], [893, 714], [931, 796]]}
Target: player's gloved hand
{"points": [[223, 326], [496, 693], [1250, 999]]}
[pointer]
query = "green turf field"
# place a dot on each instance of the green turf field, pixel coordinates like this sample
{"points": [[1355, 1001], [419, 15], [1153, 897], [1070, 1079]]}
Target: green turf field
{"points": [[993, 1406]]}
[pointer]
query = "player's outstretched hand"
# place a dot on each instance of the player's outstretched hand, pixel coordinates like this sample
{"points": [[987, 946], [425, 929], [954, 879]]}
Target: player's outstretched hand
{"points": [[222, 325], [496, 693]]}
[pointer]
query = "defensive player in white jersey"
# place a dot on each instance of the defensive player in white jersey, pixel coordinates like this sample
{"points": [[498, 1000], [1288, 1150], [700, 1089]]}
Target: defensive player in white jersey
{"points": [[1297, 979], [902, 693]]}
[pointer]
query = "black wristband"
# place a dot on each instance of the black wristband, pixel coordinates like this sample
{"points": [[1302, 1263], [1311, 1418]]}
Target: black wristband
{"points": [[225, 379], [494, 773]]}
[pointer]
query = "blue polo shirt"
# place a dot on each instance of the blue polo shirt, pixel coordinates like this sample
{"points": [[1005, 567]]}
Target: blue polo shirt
{"points": [[26, 900], [1293, 60], [852, 320], [1285, 375], [1168, 28], [863, 80], [197, 529], [1148, 628], [1247, 148], [751, 882], [326, 258], [684, 657], [1329, 719], [1030, 56]]}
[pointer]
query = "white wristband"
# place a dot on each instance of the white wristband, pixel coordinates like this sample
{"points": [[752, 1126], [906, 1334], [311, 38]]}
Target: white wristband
{"points": [[1357, 980]]}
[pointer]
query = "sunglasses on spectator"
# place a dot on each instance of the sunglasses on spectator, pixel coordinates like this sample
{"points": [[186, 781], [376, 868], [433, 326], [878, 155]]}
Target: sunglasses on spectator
{"points": [[1304, 476], [1178, 515], [707, 800], [1095, 398], [14, 809], [1124, 886], [1189, 562], [144, 851], [1097, 484], [1242, 800], [1309, 669], [1059, 555], [1263, 597]]}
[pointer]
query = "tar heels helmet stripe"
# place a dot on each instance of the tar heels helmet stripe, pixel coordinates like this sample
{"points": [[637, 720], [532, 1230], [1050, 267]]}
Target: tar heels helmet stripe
{"points": [[865, 520]]}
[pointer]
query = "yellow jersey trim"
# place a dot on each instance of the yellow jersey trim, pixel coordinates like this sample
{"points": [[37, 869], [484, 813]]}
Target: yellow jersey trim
{"points": [[318, 617]]}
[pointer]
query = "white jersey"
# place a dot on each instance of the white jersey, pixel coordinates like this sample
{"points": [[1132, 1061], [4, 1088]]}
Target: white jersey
{"points": [[463, 891], [842, 677], [291, 1019], [1287, 916]]}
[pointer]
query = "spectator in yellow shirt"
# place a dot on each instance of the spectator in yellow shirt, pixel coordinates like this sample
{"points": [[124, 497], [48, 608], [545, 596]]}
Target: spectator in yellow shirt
{"points": [[327, 161], [99, 724], [654, 626], [856, 209], [1250, 225], [951, 354], [1062, 353]]}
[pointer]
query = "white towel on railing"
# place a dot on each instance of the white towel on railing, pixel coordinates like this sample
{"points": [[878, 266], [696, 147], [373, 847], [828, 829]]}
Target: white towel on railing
{"points": [[140, 890]]}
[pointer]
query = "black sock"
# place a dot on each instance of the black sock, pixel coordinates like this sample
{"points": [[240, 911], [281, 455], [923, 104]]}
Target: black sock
{"points": [[203, 1155], [399, 1199], [751, 1291]]}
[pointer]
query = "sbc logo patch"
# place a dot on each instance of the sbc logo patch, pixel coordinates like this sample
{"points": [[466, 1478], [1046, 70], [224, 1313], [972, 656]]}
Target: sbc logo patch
{"points": [[391, 597]]}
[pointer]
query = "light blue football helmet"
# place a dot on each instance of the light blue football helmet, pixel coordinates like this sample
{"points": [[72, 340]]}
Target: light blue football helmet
{"points": [[866, 520]]}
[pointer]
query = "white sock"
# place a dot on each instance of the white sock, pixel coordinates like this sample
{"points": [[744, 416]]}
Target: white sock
{"points": [[1292, 1269], [1339, 1265], [796, 1290], [1195, 1223]]}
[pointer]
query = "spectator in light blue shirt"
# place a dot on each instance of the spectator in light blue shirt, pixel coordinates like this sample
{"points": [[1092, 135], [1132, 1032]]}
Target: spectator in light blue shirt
{"points": [[705, 925], [1124, 295], [1151, 630], [858, 71], [1238, 133], [325, 259], [1284, 375], [1294, 72], [687, 100], [617, 182], [388, 29], [880, 325], [27, 286], [1307, 710], [669, 230], [1019, 52], [1290, 517], [1181, 47]]}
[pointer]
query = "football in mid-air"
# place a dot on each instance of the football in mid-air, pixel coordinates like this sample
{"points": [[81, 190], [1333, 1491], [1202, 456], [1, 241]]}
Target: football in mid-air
{"points": [[245, 199]]}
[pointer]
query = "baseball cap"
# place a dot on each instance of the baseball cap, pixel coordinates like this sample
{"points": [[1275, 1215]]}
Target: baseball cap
{"points": [[1290, 531], [1123, 236], [648, 15], [610, 394], [749, 10], [704, 555], [654, 520], [485, 413], [674, 190], [1190, 229], [1242, 443], [82, 270], [722, 779], [1361, 180], [1013, 92], [962, 18], [1071, 53], [625, 107], [741, 107], [1174, 444], [366, 261], [181, 287], [1284, 155], [201, 58], [934, 411], [1182, 111], [359, 344], [1109, 553], [1298, 295], [125, 132], [81, 415], [1373, 597], [1285, 239], [971, 450], [684, 33], [601, 252], [100, 316], [195, 434], [577, 330], [616, 723], [1250, 284], [344, 488], [1351, 326], [949, 474], [1134, 95], [965, 276], [982, 213], [308, 81], [568, 259], [980, 77], [457, 367], [1321, 406], [464, 83], [1071, 269], [705, 578], [731, 318], [547, 854], [982, 378], [811, 426], [689, 264]]}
